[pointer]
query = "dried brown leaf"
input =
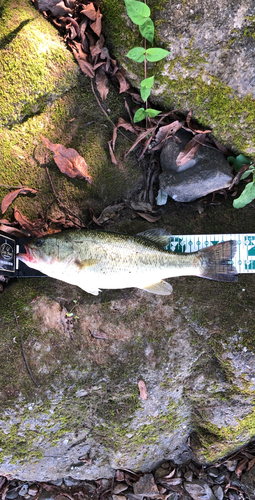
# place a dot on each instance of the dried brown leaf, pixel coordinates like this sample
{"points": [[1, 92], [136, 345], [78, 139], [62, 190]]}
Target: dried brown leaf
{"points": [[194, 129], [89, 11], [68, 160], [94, 217], [251, 464], [169, 476], [171, 482], [101, 83], [142, 389], [86, 68], [97, 25], [141, 137], [12, 231], [165, 131], [126, 125], [109, 212], [222, 148], [146, 145], [82, 59], [123, 83], [120, 476], [31, 227], [240, 467], [190, 149], [148, 217], [10, 197], [112, 153], [136, 97], [58, 9]]}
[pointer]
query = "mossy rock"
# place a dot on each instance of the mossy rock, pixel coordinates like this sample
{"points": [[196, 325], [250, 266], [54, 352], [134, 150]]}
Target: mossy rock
{"points": [[209, 69], [43, 92]]}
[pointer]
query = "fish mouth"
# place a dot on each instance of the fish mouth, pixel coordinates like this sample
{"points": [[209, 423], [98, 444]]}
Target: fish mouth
{"points": [[28, 256]]}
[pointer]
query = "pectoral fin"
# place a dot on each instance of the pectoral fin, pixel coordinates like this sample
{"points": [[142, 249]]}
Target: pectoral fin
{"points": [[160, 288], [82, 264]]}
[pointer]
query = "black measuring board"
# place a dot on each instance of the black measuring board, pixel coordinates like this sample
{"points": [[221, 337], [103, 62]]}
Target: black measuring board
{"points": [[10, 266], [7, 255]]}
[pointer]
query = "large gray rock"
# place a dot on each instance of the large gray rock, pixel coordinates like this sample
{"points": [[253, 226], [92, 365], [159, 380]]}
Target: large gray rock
{"points": [[208, 171], [210, 68]]}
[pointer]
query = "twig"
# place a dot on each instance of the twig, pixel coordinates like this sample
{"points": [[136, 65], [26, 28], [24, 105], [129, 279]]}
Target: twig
{"points": [[107, 116], [23, 352], [59, 201]]}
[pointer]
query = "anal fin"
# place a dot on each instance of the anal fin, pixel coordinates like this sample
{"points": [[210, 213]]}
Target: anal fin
{"points": [[160, 288]]}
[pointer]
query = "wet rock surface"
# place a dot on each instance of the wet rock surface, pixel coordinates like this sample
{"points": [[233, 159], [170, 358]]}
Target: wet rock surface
{"points": [[208, 171]]}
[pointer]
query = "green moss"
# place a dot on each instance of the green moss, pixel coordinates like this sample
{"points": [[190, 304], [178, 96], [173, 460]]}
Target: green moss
{"points": [[26, 87]]}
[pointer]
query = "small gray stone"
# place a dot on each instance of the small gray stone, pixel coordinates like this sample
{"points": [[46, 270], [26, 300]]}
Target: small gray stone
{"points": [[11, 494], [118, 488], [208, 171], [23, 490], [46, 495], [57, 482], [214, 472], [69, 481], [160, 472], [146, 486], [199, 490], [118, 497], [218, 492], [32, 490], [231, 465], [188, 476]]}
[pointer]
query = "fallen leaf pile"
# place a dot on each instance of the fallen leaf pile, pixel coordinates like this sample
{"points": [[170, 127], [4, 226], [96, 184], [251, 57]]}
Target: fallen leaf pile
{"points": [[230, 479], [81, 23]]}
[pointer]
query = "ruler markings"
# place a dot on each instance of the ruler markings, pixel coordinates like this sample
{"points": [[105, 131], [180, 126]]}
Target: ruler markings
{"points": [[244, 260]]}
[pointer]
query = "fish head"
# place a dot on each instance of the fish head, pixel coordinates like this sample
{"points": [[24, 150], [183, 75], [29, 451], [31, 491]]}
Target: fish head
{"points": [[41, 253]]}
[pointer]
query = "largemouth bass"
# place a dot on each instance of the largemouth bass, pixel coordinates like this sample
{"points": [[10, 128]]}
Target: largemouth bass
{"points": [[95, 260]]}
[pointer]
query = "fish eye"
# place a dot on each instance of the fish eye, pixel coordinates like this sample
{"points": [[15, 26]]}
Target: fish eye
{"points": [[39, 243]]}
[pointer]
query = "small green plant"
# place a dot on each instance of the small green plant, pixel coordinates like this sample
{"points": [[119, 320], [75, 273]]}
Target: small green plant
{"points": [[139, 13], [71, 314], [248, 193]]}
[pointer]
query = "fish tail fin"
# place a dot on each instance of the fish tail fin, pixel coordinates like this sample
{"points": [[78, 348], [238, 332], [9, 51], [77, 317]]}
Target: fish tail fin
{"points": [[216, 262]]}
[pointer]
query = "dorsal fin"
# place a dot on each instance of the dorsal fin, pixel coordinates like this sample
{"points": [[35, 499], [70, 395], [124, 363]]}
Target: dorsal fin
{"points": [[159, 236]]}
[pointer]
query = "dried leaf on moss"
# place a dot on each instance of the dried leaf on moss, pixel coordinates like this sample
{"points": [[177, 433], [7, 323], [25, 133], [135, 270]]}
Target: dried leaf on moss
{"points": [[68, 161], [10, 197]]}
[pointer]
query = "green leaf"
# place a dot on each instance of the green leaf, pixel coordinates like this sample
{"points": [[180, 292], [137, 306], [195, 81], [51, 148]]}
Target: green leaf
{"points": [[238, 162], [152, 112], [145, 89], [247, 173], [137, 54], [138, 12], [139, 115], [246, 197], [156, 54], [147, 30]]}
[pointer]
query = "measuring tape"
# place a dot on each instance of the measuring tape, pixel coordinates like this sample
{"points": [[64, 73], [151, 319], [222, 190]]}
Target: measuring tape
{"points": [[244, 260]]}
